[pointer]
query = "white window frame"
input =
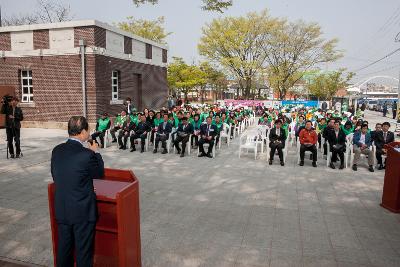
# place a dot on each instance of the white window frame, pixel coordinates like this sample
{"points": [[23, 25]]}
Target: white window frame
{"points": [[115, 76], [26, 75]]}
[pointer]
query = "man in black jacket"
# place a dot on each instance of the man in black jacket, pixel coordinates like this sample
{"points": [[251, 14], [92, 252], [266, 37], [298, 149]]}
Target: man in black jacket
{"points": [[183, 133], [208, 132], [163, 131], [325, 133], [277, 138], [73, 167], [125, 132], [337, 144], [381, 139], [14, 117], [141, 131]]}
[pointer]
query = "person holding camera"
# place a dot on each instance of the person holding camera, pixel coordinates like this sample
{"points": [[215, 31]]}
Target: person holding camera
{"points": [[14, 117]]}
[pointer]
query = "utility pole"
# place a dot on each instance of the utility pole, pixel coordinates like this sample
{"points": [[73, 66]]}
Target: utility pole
{"points": [[397, 39], [1, 21]]}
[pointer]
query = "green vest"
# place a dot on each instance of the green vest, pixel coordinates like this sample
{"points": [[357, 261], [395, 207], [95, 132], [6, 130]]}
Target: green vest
{"points": [[134, 119], [103, 124], [158, 122]]}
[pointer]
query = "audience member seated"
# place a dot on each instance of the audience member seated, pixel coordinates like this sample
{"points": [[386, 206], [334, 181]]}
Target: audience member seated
{"points": [[378, 128], [277, 138], [163, 131], [126, 129], [308, 142], [337, 144], [328, 129], [141, 131], [102, 125], [362, 145], [196, 131], [381, 139], [208, 132], [185, 129], [119, 121], [220, 125]]}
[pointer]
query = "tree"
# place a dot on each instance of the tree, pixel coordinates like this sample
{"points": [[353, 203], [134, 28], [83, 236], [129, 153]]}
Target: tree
{"points": [[183, 77], [208, 5], [294, 48], [47, 11], [149, 29], [236, 43], [215, 79], [325, 85]]}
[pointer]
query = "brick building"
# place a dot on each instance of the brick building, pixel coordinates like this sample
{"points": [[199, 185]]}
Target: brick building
{"points": [[43, 63]]}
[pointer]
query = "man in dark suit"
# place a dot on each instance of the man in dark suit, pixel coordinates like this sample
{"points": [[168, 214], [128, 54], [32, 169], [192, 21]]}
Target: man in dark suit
{"points": [[130, 109], [14, 117], [337, 144], [277, 138], [381, 139], [73, 167], [141, 131], [163, 131], [208, 132], [125, 132], [183, 133]]}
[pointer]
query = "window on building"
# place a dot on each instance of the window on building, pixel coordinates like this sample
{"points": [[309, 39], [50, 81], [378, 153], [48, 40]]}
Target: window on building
{"points": [[115, 79], [164, 56], [27, 87], [149, 51]]}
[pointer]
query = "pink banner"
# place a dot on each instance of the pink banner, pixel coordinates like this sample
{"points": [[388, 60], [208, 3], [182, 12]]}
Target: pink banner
{"points": [[244, 102]]}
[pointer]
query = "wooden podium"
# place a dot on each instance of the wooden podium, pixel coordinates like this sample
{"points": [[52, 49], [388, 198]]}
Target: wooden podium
{"points": [[391, 187], [117, 239]]}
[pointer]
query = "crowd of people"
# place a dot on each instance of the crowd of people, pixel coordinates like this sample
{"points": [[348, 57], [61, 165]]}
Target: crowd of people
{"points": [[182, 125], [313, 128]]}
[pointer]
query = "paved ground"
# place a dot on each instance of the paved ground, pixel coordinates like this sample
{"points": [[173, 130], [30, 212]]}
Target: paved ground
{"points": [[221, 212]]}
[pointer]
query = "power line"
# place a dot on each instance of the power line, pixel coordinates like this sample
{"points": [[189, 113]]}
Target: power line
{"points": [[379, 71], [379, 60]]}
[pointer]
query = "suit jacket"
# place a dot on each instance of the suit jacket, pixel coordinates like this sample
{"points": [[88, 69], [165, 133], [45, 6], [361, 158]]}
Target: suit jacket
{"points": [[274, 137], [128, 127], [18, 116], [166, 131], [380, 141], [340, 140], [73, 168], [357, 136], [143, 127], [213, 130], [187, 130]]}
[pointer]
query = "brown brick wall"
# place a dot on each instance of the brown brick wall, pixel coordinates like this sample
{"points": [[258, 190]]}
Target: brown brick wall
{"points": [[57, 85], [5, 41], [145, 84], [41, 39], [94, 36], [127, 45]]}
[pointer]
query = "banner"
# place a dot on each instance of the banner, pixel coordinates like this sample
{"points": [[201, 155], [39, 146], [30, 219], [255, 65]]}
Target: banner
{"points": [[306, 103]]}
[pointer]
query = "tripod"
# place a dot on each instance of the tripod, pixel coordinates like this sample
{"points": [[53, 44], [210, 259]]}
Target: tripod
{"points": [[14, 134]]}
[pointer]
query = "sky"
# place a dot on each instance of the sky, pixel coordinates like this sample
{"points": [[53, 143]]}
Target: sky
{"points": [[366, 29]]}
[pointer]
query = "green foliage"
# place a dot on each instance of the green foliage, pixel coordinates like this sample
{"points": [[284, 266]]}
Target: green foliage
{"points": [[183, 77], [292, 49], [209, 5], [149, 29], [236, 43], [325, 85]]}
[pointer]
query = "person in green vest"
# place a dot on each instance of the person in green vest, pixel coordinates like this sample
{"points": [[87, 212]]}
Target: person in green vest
{"points": [[321, 125], [217, 122], [134, 118], [158, 120], [347, 128], [196, 131], [102, 125], [119, 121]]}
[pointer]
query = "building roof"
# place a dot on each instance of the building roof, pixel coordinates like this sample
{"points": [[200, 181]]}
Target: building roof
{"points": [[79, 23]]}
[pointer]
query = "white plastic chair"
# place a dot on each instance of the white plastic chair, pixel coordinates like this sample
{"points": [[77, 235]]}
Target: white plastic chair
{"points": [[169, 141], [225, 133], [248, 142]]}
